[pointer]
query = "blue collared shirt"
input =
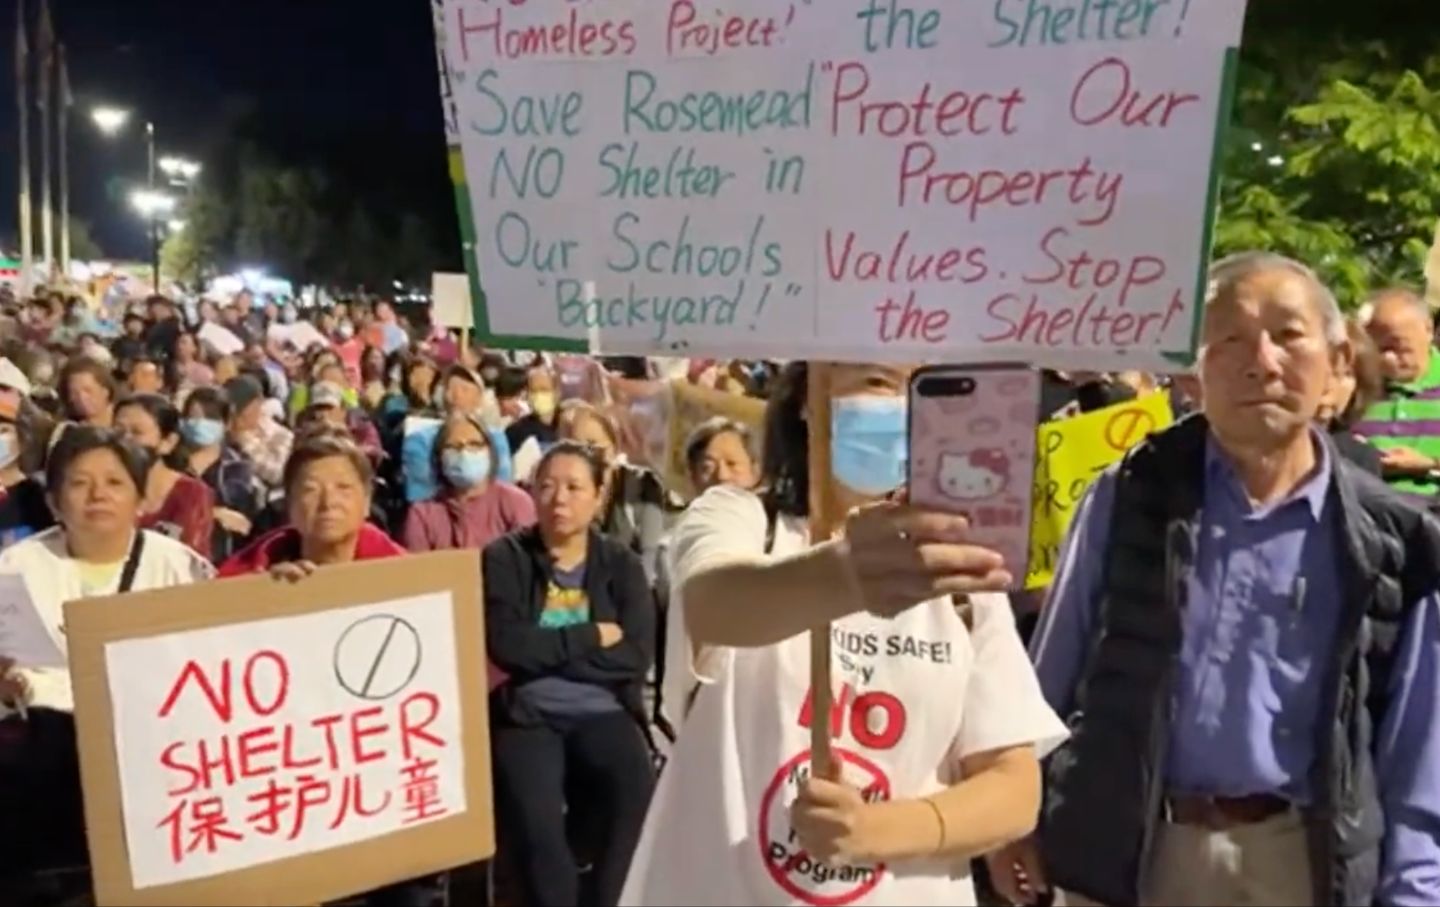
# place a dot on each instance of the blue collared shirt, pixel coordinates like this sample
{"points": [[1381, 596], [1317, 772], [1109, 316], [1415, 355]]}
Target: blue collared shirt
{"points": [[1263, 606]]}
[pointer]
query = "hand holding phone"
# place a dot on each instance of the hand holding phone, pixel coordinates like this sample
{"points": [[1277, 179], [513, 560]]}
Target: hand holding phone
{"points": [[972, 452]]}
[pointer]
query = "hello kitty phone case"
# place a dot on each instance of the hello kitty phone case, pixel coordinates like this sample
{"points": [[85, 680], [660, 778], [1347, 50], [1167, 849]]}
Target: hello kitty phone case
{"points": [[972, 451]]}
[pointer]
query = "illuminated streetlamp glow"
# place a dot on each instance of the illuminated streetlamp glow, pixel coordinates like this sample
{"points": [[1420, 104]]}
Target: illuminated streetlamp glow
{"points": [[152, 204], [110, 119], [179, 168]]}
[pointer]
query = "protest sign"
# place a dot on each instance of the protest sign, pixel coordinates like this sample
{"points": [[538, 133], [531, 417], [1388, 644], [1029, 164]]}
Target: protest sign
{"points": [[24, 638], [276, 743], [1070, 454], [222, 339], [1025, 179], [641, 410], [450, 300]]}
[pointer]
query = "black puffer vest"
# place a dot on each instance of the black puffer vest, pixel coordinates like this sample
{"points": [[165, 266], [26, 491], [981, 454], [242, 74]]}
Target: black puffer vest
{"points": [[1105, 788]]}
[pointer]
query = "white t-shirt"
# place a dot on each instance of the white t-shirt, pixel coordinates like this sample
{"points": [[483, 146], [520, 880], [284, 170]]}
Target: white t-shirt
{"points": [[52, 577], [914, 696]]}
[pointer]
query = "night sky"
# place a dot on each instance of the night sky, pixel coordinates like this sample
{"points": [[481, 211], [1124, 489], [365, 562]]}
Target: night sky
{"points": [[348, 83]]}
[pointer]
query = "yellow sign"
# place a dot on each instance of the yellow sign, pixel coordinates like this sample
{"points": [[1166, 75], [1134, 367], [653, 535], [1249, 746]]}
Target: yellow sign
{"points": [[1070, 454]]}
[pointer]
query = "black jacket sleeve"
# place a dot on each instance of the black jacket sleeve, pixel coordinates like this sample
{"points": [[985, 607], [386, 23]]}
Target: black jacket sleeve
{"points": [[517, 643], [630, 659]]}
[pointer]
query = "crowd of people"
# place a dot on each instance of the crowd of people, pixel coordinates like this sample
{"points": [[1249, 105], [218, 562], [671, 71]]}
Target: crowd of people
{"points": [[1229, 695]]}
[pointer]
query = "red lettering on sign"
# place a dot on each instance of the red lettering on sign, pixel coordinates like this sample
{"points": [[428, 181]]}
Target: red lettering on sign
{"points": [[219, 701], [250, 747], [282, 682], [358, 735], [411, 728]]}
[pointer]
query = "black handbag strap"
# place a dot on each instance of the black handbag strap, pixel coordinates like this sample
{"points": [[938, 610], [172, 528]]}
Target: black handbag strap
{"points": [[132, 563]]}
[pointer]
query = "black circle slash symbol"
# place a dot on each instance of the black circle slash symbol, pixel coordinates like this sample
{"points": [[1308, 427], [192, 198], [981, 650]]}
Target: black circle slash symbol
{"points": [[377, 656]]}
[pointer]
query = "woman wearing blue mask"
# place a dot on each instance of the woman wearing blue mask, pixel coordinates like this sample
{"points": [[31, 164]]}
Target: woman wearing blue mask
{"points": [[937, 720], [475, 508], [210, 457]]}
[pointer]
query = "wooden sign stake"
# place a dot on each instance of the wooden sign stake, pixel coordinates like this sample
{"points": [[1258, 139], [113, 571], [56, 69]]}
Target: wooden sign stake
{"points": [[824, 520]]}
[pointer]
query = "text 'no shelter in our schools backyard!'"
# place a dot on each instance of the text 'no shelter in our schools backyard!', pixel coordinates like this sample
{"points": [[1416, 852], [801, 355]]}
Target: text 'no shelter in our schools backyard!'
{"points": [[848, 179]]}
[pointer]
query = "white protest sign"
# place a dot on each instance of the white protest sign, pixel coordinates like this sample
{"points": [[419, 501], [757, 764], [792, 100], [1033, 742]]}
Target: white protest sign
{"points": [[24, 638], [221, 338], [856, 179], [302, 335], [249, 743], [450, 300]]}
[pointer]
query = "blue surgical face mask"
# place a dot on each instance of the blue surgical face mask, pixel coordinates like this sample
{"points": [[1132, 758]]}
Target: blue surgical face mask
{"points": [[202, 432], [9, 448], [869, 446], [466, 468]]}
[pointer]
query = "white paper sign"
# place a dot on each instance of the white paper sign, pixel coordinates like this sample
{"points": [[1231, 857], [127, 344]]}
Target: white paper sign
{"points": [[244, 744], [450, 300], [221, 338], [24, 638], [857, 179]]}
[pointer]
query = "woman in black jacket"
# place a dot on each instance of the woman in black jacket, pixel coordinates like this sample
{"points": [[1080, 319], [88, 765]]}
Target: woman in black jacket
{"points": [[571, 620]]}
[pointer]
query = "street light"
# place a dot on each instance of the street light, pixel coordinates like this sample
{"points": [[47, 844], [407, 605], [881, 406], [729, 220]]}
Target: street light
{"points": [[153, 205], [110, 119], [180, 169]]}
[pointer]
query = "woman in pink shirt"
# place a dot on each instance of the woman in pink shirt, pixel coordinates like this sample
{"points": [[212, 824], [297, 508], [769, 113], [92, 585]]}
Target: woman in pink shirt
{"points": [[475, 509]]}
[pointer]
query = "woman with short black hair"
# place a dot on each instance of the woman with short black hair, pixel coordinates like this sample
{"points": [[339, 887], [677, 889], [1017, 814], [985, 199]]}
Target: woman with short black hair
{"points": [[570, 618], [176, 504], [211, 457], [327, 484], [96, 483], [88, 390], [636, 509]]}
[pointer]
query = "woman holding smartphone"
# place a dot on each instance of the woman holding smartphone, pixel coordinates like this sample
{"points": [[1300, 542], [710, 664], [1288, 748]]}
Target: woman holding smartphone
{"points": [[938, 721]]}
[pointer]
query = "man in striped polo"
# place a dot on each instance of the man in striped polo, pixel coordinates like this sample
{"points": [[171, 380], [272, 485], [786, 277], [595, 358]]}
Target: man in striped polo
{"points": [[1405, 425]]}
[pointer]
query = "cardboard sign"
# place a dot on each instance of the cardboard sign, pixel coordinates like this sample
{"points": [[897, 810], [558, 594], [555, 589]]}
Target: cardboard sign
{"points": [[1070, 454], [450, 300], [267, 743], [1015, 180]]}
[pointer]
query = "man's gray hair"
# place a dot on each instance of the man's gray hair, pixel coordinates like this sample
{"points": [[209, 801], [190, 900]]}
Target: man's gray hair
{"points": [[1404, 294], [1232, 270]]}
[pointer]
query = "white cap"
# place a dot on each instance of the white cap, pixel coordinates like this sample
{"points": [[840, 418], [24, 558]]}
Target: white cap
{"points": [[11, 376]]}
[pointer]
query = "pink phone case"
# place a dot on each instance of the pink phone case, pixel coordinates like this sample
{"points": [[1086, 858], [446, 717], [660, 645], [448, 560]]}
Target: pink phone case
{"points": [[975, 454]]}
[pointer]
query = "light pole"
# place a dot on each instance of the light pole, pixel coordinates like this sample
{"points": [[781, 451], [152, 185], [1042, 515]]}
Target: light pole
{"points": [[153, 205], [111, 121]]}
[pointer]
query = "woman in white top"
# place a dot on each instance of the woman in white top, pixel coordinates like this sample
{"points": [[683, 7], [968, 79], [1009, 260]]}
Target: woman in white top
{"points": [[96, 484], [938, 721]]}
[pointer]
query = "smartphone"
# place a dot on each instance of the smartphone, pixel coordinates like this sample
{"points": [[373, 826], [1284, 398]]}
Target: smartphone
{"points": [[972, 451]]}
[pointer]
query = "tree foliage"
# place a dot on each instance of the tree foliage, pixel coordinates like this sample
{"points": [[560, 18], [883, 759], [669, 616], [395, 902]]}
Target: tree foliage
{"points": [[1335, 159], [298, 221]]}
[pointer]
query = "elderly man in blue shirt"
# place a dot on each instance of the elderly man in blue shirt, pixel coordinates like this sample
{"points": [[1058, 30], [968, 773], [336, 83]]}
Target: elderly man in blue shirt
{"points": [[1244, 633]]}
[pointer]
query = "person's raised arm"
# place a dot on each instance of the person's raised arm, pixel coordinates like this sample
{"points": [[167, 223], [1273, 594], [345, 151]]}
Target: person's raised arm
{"points": [[892, 558]]}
